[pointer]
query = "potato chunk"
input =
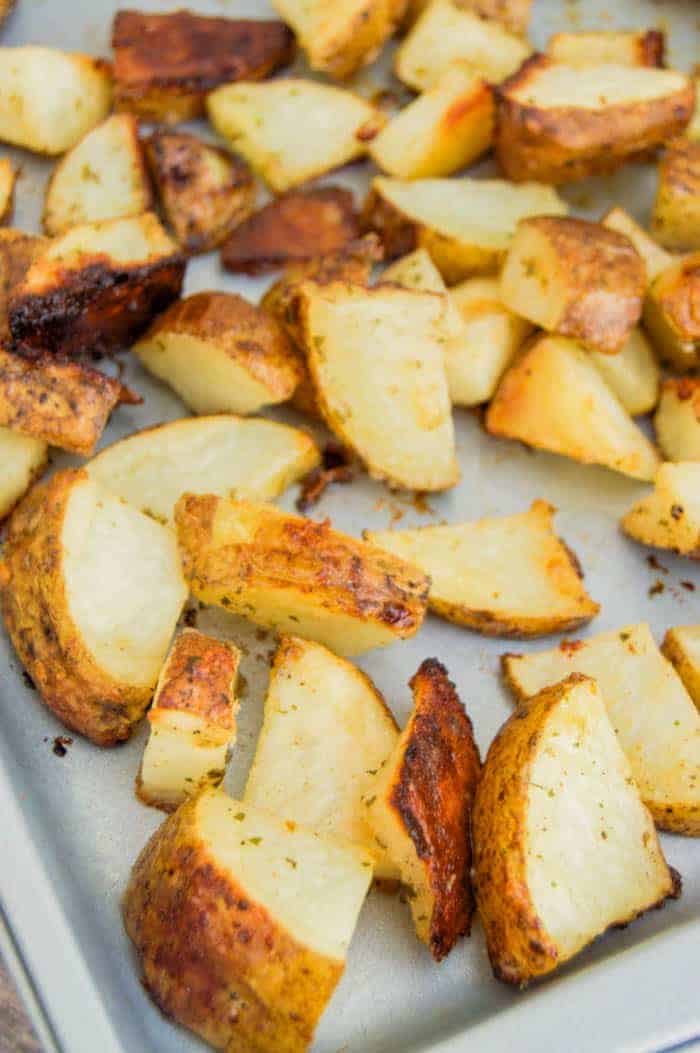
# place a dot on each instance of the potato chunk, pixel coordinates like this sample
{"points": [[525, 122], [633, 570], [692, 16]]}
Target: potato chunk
{"points": [[672, 313], [8, 176], [96, 287], [559, 124], [670, 516], [102, 177], [17, 253], [575, 278], [267, 122], [445, 33], [563, 851], [510, 576], [378, 370], [655, 258], [682, 647], [223, 455], [513, 14], [91, 590], [164, 65], [300, 225], [465, 224], [204, 191], [420, 808], [325, 733], [633, 373], [192, 721], [220, 354], [230, 906], [554, 398], [23, 458], [49, 99], [608, 47], [677, 420], [676, 217], [655, 721], [297, 576]]}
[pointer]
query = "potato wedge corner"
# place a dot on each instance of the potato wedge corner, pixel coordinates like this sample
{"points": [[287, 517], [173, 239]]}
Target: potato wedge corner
{"points": [[656, 259], [608, 47], [23, 460], [675, 221], [633, 373], [670, 516], [677, 420], [682, 648], [671, 314]]}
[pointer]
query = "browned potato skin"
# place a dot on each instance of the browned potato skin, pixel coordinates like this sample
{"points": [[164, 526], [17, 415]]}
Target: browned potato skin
{"points": [[37, 619], [300, 225], [67, 404], [676, 218], [399, 235], [213, 961], [676, 301], [564, 145], [17, 253], [201, 211], [164, 65]]}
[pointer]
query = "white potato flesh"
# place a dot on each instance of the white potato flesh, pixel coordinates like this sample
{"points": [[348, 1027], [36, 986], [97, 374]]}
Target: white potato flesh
{"points": [[598, 49], [677, 420], [417, 271], [682, 647], [183, 753], [656, 259], [670, 516], [598, 88], [633, 373], [22, 457]]}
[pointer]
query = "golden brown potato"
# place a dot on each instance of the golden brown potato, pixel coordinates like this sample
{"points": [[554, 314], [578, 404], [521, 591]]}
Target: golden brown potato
{"points": [[575, 278], [17, 252], [676, 217], [228, 908], [672, 313], [682, 648], [204, 191], [23, 459], [220, 354], [692, 131], [655, 258], [95, 664], [608, 47], [677, 420], [8, 176], [563, 851], [6, 7], [299, 226], [164, 65], [297, 576], [66, 404], [96, 287], [633, 373], [558, 124], [670, 516], [420, 807]]}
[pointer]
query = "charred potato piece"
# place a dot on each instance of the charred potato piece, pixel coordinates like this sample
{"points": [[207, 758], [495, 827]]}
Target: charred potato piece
{"points": [[165, 65], [301, 225], [677, 420], [672, 313], [559, 124], [676, 217], [17, 253], [670, 516], [294, 575], [23, 459], [204, 191], [420, 807], [608, 48], [682, 648], [562, 851], [655, 258], [67, 543], [96, 287], [8, 176], [633, 373]]}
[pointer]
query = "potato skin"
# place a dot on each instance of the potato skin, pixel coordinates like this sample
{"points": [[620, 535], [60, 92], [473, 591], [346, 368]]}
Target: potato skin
{"points": [[17, 253], [672, 312], [676, 217], [213, 960]]}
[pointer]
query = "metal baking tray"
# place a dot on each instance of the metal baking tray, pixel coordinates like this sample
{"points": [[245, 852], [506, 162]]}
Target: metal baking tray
{"points": [[71, 826]]}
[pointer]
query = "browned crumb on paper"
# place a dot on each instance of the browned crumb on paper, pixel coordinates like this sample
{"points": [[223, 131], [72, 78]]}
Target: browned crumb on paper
{"points": [[336, 467]]}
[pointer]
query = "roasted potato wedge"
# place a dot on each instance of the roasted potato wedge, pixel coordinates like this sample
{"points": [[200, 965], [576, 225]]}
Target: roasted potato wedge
{"points": [[559, 124], [164, 65], [575, 278], [608, 48], [682, 648], [563, 851], [192, 721], [325, 733], [8, 177], [204, 191], [300, 225], [266, 122], [510, 576], [655, 258], [17, 252], [675, 220], [224, 455], [49, 99], [655, 721], [417, 271], [23, 459], [220, 354], [66, 404], [554, 398], [465, 224], [96, 287], [297, 576], [103, 177], [420, 804], [633, 373], [94, 661], [377, 365], [441, 131], [677, 420], [447, 32], [672, 313], [230, 906], [670, 516]]}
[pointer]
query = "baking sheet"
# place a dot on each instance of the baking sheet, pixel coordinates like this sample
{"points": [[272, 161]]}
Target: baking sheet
{"points": [[72, 826]]}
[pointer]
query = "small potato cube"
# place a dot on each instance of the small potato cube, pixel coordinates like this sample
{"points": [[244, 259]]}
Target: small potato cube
{"points": [[23, 459], [682, 648], [102, 177], [220, 354], [676, 217], [655, 258], [204, 191], [441, 131], [267, 122], [670, 516], [8, 176], [17, 252], [297, 576], [420, 806], [165, 65], [510, 576], [554, 398], [672, 313], [192, 721], [677, 420], [49, 99], [607, 47], [633, 373]]}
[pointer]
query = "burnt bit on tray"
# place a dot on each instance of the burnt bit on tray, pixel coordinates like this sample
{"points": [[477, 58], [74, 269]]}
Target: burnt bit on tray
{"points": [[688, 585], [59, 745], [656, 565], [657, 588], [336, 467]]}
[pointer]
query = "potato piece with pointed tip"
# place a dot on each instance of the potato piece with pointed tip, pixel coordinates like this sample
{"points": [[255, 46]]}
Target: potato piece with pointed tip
{"points": [[23, 459], [677, 420], [670, 516], [656, 259], [682, 648], [633, 374], [608, 47]]}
